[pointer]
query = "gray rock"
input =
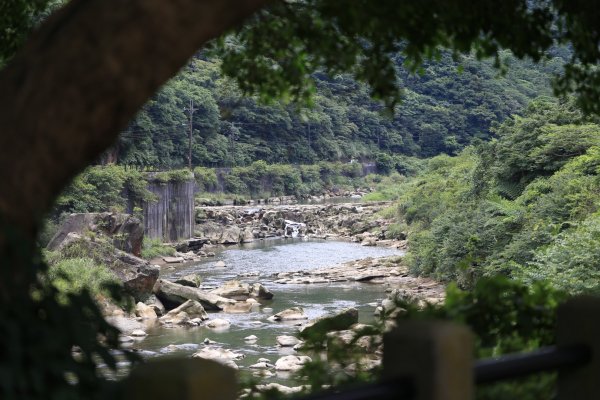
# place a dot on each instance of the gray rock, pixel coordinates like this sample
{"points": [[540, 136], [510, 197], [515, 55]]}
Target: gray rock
{"points": [[191, 308], [258, 291], [233, 290], [179, 347], [173, 260], [261, 365], [230, 235], [287, 341], [125, 231], [144, 311], [291, 314], [280, 388], [139, 279], [156, 305], [319, 327], [191, 280], [172, 293], [123, 324], [238, 308], [223, 356], [218, 323], [291, 362]]}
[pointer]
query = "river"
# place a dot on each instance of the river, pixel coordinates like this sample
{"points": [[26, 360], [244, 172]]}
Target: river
{"points": [[260, 261]]}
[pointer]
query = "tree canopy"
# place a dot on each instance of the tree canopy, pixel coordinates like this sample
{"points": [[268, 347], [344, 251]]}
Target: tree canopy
{"points": [[89, 67], [278, 52]]}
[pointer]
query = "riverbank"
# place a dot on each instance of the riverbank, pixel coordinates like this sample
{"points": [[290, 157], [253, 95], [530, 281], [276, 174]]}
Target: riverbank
{"points": [[387, 271]]}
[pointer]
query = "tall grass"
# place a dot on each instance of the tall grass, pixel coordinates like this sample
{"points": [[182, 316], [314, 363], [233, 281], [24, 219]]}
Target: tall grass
{"points": [[72, 275], [153, 248]]}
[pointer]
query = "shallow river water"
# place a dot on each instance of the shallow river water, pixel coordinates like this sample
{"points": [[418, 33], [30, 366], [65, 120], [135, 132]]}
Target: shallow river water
{"points": [[262, 260]]}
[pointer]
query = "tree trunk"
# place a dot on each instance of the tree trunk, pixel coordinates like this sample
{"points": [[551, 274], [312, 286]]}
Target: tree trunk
{"points": [[78, 81]]}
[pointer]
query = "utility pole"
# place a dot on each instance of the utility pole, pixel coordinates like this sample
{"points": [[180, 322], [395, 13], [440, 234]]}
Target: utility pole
{"points": [[191, 114]]}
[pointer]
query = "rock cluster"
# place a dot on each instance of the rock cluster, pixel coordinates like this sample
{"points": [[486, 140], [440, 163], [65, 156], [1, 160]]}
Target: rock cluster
{"points": [[229, 225]]}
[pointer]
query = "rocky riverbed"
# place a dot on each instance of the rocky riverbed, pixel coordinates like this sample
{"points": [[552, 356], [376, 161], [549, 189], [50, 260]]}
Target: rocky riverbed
{"points": [[246, 311]]}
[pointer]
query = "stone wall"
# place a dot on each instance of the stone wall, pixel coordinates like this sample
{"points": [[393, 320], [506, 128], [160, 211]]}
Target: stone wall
{"points": [[171, 218]]}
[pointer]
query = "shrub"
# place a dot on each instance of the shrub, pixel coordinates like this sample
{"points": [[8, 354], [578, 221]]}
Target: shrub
{"points": [[176, 175], [73, 275], [206, 178]]}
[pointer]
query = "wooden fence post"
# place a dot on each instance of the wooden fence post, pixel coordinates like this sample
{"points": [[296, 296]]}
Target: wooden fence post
{"points": [[436, 355], [181, 379], [579, 323]]}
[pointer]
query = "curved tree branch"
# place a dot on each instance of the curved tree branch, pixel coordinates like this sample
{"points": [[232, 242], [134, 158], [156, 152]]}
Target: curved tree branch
{"points": [[80, 79]]}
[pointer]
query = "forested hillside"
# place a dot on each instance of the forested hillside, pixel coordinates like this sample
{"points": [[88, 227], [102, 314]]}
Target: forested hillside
{"points": [[445, 107], [524, 205]]}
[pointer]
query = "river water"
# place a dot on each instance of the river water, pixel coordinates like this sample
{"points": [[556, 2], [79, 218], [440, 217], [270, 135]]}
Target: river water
{"points": [[260, 261]]}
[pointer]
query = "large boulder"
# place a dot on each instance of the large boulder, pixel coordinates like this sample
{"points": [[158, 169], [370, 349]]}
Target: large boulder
{"points": [[172, 295], [258, 291], [210, 230], [191, 307], [223, 356], [241, 291], [156, 305], [319, 327], [291, 363], [233, 290], [75, 223], [238, 308], [191, 280], [145, 311], [125, 231], [231, 235], [138, 280], [193, 244], [246, 235], [287, 341], [291, 314]]}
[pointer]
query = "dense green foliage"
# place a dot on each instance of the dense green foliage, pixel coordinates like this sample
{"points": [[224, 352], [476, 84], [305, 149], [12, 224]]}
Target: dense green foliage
{"points": [[278, 53], [444, 109], [523, 205], [17, 19]]}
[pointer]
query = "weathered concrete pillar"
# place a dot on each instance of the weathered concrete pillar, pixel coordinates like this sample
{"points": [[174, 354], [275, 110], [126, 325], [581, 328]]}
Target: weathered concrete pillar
{"points": [[171, 217], [181, 379], [436, 355], [579, 323]]}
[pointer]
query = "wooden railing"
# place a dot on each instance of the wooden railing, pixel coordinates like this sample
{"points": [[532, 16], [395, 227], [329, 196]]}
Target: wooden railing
{"points": [[423, 360]]}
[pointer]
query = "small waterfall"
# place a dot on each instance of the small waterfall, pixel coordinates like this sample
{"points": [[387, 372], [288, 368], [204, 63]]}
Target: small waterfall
{"points": [[294, 229]]}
